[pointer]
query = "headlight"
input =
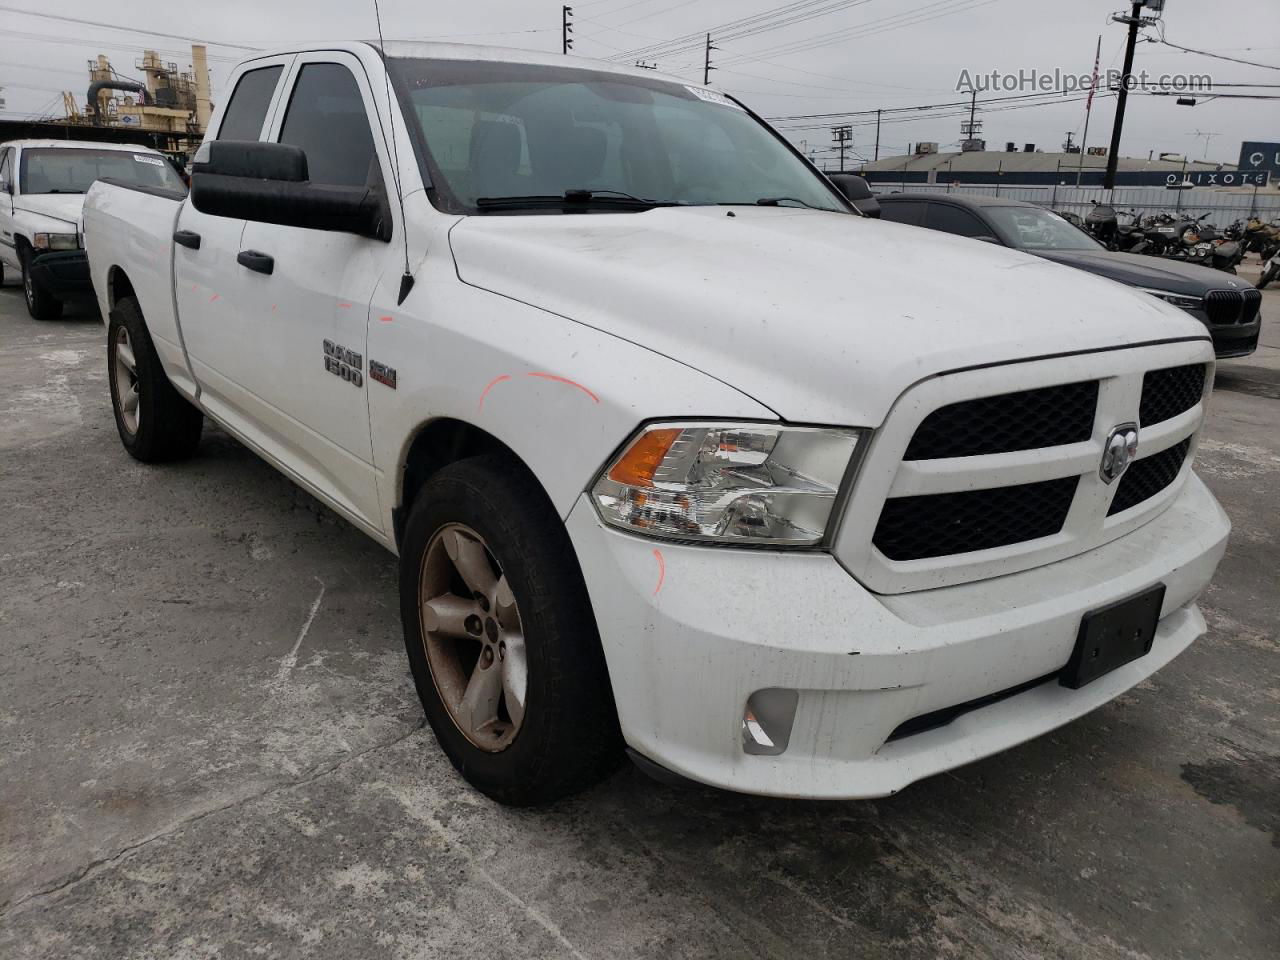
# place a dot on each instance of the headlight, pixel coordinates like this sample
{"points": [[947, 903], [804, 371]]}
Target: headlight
{"points": [[56, 241], [1178, 299], [742, 483]]}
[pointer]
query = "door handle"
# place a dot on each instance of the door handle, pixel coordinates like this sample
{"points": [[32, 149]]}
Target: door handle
{"points": [[188, 239], [258, 262]]}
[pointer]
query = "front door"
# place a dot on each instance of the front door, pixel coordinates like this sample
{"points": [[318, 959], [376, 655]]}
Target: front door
{"points": [[309, 290]]}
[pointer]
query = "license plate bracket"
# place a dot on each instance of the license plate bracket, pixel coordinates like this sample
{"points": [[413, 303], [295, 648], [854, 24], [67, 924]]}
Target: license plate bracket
{"points": [[1112, 636]]}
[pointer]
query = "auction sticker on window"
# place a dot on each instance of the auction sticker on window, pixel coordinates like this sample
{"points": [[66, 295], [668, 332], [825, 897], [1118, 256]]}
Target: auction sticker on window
{"points": [[154, 161], [712, 96]]}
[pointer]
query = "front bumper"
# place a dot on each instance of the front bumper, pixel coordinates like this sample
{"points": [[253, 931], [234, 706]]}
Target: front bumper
{"points": [[690, 633], [64, 273]]}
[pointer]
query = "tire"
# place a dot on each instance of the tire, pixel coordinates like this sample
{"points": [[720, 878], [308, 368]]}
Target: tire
{"points": [[41, 304], [1267, 276], [156, 423], [565, 736]]}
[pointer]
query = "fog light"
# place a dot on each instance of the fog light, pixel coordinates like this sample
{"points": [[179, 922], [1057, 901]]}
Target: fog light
{"points": [[767, 720]]}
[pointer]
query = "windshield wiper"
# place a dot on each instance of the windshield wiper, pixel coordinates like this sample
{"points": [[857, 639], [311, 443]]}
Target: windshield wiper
{"points": [[779, 201], [574, 198], [64, 191]]}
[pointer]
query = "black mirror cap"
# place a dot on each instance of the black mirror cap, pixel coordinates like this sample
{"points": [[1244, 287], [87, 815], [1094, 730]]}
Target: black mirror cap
{"points": [[359, 210], [252, 159], [853, 187], [858, 192]]}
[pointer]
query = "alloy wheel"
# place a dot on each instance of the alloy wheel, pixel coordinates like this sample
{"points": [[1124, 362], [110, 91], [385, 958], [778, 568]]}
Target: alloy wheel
{"points": [[126, 368], [473, 637]]}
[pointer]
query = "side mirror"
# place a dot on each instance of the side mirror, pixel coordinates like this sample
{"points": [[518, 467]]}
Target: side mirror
{"points": [[6, 186], [268, 183], [858, 192]]}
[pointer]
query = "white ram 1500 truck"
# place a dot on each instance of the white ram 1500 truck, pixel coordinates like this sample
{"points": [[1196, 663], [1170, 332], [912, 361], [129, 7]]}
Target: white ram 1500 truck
{"points": [[678, 452]]}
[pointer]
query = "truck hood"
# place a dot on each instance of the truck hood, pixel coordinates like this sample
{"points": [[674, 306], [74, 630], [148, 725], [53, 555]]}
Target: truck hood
{"points": [[1155, 273], [67, 207], [823, 317]]}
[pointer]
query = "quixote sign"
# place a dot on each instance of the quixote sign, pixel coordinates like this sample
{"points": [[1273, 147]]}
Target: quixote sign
{"points": [[1220, 178], [1256, 157]]}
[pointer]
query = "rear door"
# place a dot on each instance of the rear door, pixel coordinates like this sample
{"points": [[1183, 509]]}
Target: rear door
{"points": [[311, 312], [216, 331]]}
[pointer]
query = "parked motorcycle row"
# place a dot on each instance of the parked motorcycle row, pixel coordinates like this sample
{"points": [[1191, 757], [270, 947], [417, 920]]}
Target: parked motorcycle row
{"points": [[1183, 237]]}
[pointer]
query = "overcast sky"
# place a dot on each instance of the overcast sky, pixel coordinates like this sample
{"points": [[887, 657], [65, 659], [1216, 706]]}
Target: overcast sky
{"points": [[893, 54]]}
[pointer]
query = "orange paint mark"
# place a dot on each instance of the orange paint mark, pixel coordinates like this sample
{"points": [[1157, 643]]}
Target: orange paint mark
{"points": [[492, 383], [214, 297], [566, 380], [662, 570], [195, 287], [345, 306], [386, 319]]}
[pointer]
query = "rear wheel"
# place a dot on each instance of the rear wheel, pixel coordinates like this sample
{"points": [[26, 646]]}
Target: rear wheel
{"points": [[155, 422], [501, 637], [41, 304]]}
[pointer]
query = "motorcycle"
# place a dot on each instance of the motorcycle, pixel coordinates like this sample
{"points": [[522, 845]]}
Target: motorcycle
{"points": [[1271, 271]]}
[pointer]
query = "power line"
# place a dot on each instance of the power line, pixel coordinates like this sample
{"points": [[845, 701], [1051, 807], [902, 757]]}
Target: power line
{"points": [[116, 26], [1216, 56]]}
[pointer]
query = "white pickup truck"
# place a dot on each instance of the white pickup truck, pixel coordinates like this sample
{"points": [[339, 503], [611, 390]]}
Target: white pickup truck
{"points": [[678, 452], [42, 188]]}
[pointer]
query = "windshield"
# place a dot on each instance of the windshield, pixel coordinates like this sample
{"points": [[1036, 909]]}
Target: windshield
{"points": [[1030, 228], [73, 170], [500, 130]]}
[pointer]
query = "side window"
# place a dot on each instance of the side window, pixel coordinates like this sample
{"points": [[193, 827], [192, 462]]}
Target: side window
{"points": [[247, 108], [327, 119], [949, 219], [903, 211]]}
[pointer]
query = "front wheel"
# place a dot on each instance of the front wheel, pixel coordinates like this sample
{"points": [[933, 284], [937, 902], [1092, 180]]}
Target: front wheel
{"points": [[41, 304], [501, 637], [156, 423], [1268, 275]]}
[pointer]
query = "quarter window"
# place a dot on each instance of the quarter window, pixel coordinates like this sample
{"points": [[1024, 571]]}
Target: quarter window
{"points": [[327, 119], [247, 109]]}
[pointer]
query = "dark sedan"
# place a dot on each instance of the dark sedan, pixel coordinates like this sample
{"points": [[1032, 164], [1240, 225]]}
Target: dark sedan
{"points": [[1225, 304]]}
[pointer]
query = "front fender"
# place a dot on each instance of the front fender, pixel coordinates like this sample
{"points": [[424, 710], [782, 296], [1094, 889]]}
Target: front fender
{"points": [[561, 395]]}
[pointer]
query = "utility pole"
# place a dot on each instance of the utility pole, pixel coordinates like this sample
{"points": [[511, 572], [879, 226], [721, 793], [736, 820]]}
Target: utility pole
{"points": [[841, 137], [566, 28], [707, 68], [877, 134], [1122, 96]]}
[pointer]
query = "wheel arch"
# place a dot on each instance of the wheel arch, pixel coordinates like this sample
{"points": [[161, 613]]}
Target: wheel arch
{"points": [[435, 445], [119, 286]]}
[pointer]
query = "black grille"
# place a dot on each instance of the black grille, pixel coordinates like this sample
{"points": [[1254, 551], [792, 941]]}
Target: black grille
{"points": [[1145, 478], [1169, 392], [1027, 420], [1229, 307], [1252, 304], [913, 528]]}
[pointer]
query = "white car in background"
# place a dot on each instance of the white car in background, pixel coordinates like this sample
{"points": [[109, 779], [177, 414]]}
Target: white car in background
{"points": [[678, 451], [42, 188]]}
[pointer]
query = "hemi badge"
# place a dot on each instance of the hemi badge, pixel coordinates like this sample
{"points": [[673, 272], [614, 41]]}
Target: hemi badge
{"points": [[382, 373]]}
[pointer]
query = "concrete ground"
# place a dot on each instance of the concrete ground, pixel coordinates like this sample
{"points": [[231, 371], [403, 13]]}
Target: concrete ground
{"points": [[210, 747]]}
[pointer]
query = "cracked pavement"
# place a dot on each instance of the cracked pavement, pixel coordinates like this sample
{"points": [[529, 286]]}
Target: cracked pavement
{"points": [[210, 747]]}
